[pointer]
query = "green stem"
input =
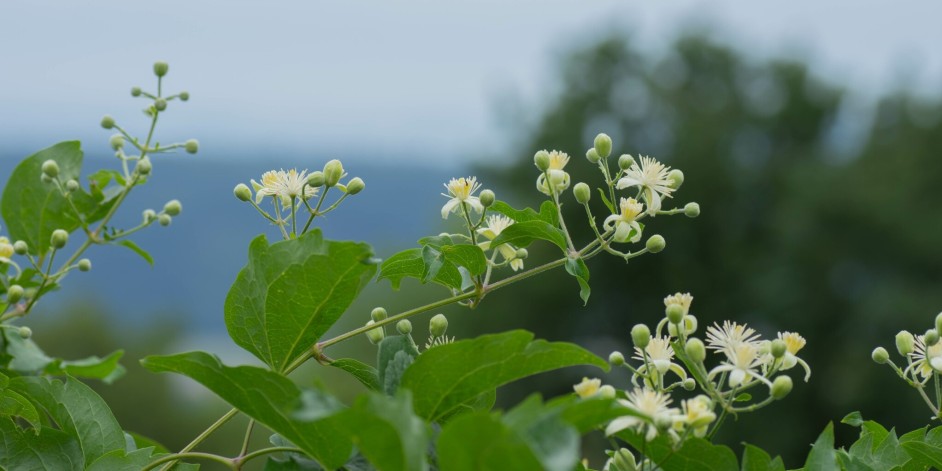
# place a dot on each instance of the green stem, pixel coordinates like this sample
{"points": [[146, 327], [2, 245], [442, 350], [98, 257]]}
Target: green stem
{"points": [[172, 459], [266, 451], [248, 437], [196, 441]]}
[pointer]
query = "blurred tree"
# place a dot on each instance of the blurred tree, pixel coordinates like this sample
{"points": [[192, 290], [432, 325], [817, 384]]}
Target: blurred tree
{"points": [[803, 227]]}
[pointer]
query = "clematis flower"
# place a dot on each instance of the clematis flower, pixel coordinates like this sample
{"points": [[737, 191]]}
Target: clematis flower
{"points": [[660, 354], [652, 177], [681, 299], [697, 414], [495, 225], [558, 178], [460, 190], [6, 249], [742, 363], [926, 359], [651, 405], [795, 342], [588, 387], [730, 335], [627, 228], [285, 185]]}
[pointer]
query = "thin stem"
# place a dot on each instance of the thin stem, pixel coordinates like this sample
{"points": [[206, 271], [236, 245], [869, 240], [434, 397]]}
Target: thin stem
{"points": [[266, 451], [248, 437], [172, 459], [196, 441]]}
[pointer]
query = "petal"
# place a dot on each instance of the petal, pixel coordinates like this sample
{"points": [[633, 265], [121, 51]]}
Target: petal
{"points": [[475, 203], [607, 224], [620, 424], [627, 182], [449, 207], [622, 230], [654, 201]]}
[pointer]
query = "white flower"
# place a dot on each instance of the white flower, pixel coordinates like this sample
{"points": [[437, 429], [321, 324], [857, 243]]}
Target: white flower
{"points": [[927, 359], [652, 177], [285, 185], [697, 415], [558, 178], [729, 336], [460, 190], [650, 405], [742, 363], [495, 225], [627, 228], [660, 354], [6, 249], [795, 342], [682, 299], [588, 387]]}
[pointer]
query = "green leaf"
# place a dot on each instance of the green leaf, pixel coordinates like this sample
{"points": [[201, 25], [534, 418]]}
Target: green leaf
{"points": [[107, 369], [854, 419], [27, 357], [470, 257], [269, 398], [395, 354], [478, 440], [522, 234], [138, 250], [823, 457], [120, 460], [696, 454], [553, 441], [756, 459], [387, 432], [366, 374], [928, 454], [743, 397], [50, 449], [589, 414], [77, 410], [141, 442], [412, 263], [441, 380], [608, 204], [547, 212], [13, 404], [291, 292], [577, 268]]}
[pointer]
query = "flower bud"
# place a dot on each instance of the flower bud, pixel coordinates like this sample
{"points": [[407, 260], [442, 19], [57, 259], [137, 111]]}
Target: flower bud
{"points": [[588, 387], [45, 178], [487, 198], [675, 313], [542, 160], [242, 192], [184, 96], [625, 161], [161, 68], [692, 210], [931, 338], [592, 155], [149, 215], [14, 293], [25, 332], [781, 387], [135, 91], [880, 355], [438, 325], [695, 350], [404, 327], [143, 166], [107, 122], [378, 314], [116, 141], [20, 247], [676, 178], [50, 168], [689, 384], [375, 335], [640, 335], [160, 104], [173, 207], [84, 264], [655, 243], [582, 192], [607, 392], [623, 460], [316, 179], [904, 342], [778, 348], [616, 358], [603, 145], [6, 249], [522, 254], [333, 170], [938, 322], [192, 146], [355, 186], [59, 238], [72, 185], [164, 220]]}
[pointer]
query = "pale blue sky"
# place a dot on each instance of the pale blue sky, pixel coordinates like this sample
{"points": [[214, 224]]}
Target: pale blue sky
{"points": [[413, 77]]}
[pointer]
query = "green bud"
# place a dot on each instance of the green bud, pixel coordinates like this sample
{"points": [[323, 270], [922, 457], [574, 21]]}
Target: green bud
{"points": [[50, 168], [690, 326], [606, 391], [778, 348], [160, 104], [355, 186], [592, 155], [107, 122], [616, 358], [192, 146], [603, 145], [116, 141], [582, 192], [695, 350], [84, 264], [522, 254], [640, 335], [655, 243], [692, 210], [20, 247], [931, 338], [404, 327], [675, 313], [184, 96], [45, 178], [375, 335], [164, 220], [135, 91], [143, 166], [904, 342], [542, 160], [487, 198], [14, 293], [378, 314], [149, 215], [333, 171], [242, 192], [25, 332], [781, 387], [316, 179], [938, 322], [173, 207], [438, 325], [676, 177], [689, 384], [161, 68], [623, 460], [59, 238], [625, 161], [880, 355]]}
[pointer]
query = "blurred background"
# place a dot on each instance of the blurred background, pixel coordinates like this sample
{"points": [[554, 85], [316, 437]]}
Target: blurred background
{"points": [[809, 135]]}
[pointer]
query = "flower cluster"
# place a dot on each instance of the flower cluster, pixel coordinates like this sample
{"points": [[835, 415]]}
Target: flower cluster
{"points": [[922, 355]]}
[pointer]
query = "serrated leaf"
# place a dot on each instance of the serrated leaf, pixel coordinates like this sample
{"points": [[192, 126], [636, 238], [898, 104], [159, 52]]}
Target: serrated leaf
{"points": [[756, 459], [577, 268], [470, 257], [27, 357], [553, 441], [107, 369], [441, 380], [522, 234], [823, 456], [547, 212], [854, 419], [479, 441], [930, 455], [120, 460], [387, 432], [366, 374], [25, 451], [394, 356], [411, 264], [138, 250], [13, 404], [291, 292]]}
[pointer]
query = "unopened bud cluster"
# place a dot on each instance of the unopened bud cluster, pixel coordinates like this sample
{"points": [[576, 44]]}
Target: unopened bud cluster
{"points": [[921, 364]]}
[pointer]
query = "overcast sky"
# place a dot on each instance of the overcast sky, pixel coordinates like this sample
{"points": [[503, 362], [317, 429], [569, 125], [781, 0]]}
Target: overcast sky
{"points": [[419, 77]]}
